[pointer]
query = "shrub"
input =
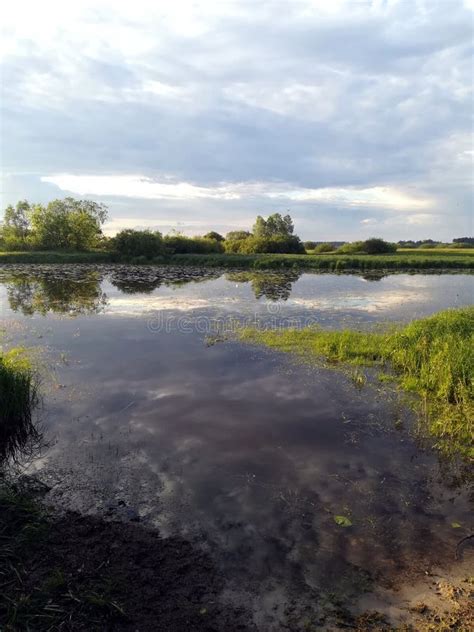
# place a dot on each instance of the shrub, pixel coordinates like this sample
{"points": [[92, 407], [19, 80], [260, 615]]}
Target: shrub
{"points": [[321, 248], [351, 248], [310, 245], [235, 235], [375, 246], [179, 244], [138, 243], [213, 235], [258, 245]]}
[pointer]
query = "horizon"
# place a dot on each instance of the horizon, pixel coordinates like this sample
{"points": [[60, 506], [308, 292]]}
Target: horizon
{"points": [[197, 116]]}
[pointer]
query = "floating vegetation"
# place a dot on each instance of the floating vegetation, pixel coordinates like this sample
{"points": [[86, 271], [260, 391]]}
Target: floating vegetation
{"points": [[433, 357]]}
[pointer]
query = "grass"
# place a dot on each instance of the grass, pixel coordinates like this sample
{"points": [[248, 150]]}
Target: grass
{"points": [[433, 357], [431, 259], [18, 399]]}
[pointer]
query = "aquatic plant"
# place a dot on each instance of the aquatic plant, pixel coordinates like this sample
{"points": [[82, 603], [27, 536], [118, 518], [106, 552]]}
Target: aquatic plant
{"points": [[18, 400], [433, 357]]}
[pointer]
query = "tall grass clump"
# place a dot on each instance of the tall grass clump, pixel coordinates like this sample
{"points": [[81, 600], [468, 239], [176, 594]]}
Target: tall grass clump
{"points": [[433, 357], [18, 400]]}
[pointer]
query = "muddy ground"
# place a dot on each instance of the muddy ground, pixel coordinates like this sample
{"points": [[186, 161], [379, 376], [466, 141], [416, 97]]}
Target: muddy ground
{"points": [[86, 573]]}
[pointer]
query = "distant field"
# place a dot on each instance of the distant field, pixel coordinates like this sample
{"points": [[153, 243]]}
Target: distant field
{"points": [[429, 259], [437, 251]]}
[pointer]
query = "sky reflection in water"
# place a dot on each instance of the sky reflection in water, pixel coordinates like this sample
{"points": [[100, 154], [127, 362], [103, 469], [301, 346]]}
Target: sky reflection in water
{"points": [[238, 448]]}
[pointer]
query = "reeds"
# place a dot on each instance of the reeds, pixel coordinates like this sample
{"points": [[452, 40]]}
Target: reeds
{"points": [[18, 400]]}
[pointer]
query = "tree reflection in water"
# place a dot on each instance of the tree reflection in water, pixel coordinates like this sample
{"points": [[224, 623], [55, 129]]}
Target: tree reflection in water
{"points": [[274, 286], [39, 292]]}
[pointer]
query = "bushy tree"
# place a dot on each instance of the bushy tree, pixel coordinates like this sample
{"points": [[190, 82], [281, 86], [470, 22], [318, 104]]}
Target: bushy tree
{"points": [[254, 245], [236, 235], [16, 226], [138, 243], [376, 246], [213, 235], [372, 246], [310, 245], [351, 248], [322, 248], [67, 224], [274, 226], [180, 244]]}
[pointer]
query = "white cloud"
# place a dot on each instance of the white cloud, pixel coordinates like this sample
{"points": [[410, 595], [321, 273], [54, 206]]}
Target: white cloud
{"points": [[344, 111], [142, 187]]}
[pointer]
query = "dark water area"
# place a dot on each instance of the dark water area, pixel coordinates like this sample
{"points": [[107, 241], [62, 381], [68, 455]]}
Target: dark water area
{"points": [[246, 453]]}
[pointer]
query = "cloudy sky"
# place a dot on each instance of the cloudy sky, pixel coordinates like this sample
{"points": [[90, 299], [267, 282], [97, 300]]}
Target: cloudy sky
{"points": [[354, 115]]}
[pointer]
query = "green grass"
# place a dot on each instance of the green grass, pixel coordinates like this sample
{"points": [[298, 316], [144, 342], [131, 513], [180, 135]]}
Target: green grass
{"points": [[431, 259], [332, 262], [433, 357], [18, 399]]}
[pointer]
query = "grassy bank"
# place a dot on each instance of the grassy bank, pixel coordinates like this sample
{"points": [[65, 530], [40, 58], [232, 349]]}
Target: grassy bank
{"points": [[433, 357], [406, 260], [332, 262]]}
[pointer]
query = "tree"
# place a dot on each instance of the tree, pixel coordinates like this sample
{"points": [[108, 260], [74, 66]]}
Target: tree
{"points": [[324, 247], [274, 226], [16, 226], [375, 246], [235, 235], [213, 235], [138, 243], [67, 224], [16, 219]]}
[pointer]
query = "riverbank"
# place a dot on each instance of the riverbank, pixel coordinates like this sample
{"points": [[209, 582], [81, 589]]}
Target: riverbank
{"points": [[406, 260]]}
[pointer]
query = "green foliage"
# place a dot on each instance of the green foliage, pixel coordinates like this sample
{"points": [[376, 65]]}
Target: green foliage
{"points": [[278, 244], [310, 245], [321, 248], [179, 244], [375, 246], [18, 399], [433, 357], [136, 243], [213, 235], [15, 227], [351, 248], [274, 226], [67, 224], [372, 246], [464, 241], [235, 235], [61, 225]]}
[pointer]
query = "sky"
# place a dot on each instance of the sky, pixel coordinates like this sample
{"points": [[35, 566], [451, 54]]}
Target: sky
{"points": [[354, 116]]}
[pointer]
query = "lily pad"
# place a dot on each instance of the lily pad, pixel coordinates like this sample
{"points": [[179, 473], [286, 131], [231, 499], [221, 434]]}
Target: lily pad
{"points": [[342, 521]]}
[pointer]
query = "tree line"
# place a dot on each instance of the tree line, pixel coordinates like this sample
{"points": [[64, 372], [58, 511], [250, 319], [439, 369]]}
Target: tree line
{"points": [[76, 225]]}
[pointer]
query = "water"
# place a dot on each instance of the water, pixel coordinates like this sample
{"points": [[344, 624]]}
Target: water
{"points": [[240, 449]]}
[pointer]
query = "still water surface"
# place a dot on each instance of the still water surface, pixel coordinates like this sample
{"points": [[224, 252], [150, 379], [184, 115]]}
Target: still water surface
{"points": [[240, 449]]}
